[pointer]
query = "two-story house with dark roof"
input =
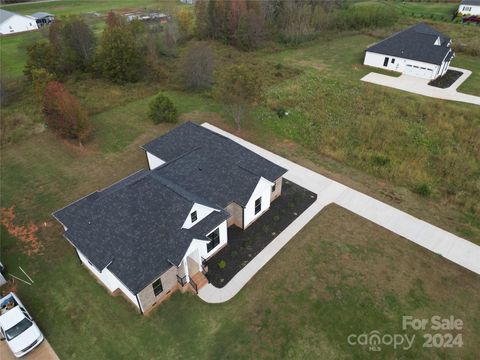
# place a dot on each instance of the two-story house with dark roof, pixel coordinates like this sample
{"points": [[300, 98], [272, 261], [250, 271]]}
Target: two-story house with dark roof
{"points": [[419, 51], [150, 233]]}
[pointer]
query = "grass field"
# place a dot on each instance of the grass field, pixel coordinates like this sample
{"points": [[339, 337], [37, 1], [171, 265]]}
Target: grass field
{"points": [[340, 275], [305, 309], [13, 47], [69, 7]]}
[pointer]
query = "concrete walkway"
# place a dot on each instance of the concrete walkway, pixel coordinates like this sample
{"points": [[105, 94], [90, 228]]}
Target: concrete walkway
{"points": [[420, 86], [452, 247]]}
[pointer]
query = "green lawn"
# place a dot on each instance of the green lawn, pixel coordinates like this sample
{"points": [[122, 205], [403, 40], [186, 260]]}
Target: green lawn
{"points": [[13, 47], [436, 10], [340, 275], [69, 7], [429, 10], [303, 304]]}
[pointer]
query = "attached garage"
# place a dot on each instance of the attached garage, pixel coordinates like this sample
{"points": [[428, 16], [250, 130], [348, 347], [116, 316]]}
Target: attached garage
{"points": [[419, 71]]}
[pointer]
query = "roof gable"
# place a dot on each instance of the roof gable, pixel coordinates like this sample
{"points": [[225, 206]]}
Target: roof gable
{"points": [[135, 227]]}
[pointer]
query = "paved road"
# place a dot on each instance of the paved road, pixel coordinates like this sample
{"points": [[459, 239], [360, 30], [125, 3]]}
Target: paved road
{"points": [[43, 352], [420, 86], [452, 247]]}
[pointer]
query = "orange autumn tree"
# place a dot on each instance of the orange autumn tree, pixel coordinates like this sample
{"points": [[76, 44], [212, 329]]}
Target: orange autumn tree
{"points": [[26, 234], [64, 114]]}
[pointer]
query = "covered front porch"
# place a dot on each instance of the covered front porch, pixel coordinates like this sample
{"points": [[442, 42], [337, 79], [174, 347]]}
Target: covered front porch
{"points": [[191, 274]]}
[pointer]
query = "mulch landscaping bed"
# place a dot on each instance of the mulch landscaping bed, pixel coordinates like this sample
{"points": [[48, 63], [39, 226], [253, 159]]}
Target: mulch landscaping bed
{"points": [[446, 80], [244, 245]]}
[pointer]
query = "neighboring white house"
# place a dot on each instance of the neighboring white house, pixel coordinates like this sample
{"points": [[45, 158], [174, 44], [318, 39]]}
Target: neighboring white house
{"points": [[149, 234], [13, 23], [419, 51], [43, 18], [469, 8]]}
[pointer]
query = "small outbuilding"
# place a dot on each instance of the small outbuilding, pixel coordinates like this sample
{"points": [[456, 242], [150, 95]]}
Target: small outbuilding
{"points": [[11, 23], [419, 51]]}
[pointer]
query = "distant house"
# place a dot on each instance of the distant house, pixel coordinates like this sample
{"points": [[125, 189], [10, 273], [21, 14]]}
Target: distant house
{"points": [[151, 16], [149, 234], [11, 23], [469, 8], [43, 18], [418, 51]]}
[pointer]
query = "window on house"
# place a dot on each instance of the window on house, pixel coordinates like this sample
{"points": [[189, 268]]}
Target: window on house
{"points": [[157, 287], [393, 61], [274, 187], [193, 216], [215, 237], [385, 62], [258, 205]]}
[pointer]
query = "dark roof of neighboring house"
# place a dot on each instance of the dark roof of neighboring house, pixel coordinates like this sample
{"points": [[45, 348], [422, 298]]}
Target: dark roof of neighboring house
{"points": [[470, 2], [134, 227], [415, 43], [210, 165], [41, 15]]}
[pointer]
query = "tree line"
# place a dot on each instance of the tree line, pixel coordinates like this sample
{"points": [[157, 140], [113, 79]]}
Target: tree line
{"points": [[131, 51]]}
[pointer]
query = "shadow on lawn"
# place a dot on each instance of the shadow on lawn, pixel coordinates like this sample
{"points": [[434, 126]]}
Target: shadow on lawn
{"points": [[244, 245]]}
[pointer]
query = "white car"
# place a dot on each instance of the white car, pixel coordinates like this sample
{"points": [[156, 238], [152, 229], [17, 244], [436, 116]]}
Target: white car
{"points": [[17, 327]]}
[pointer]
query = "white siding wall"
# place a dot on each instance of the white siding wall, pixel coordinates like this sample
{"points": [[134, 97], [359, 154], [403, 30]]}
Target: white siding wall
{"points": [[110, 281], [474, 9], [153, 161], [263, 190], [202, 212], [400, 64], [198, 248], [18, 23]]}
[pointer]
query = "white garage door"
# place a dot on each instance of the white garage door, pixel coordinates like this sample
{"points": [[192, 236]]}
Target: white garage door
{"points": [[418, 71]]}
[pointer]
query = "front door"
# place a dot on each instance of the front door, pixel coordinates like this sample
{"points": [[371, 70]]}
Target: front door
{"points": [[385, 62]]}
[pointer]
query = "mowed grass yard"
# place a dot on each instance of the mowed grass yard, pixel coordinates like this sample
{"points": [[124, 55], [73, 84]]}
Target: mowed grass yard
{"points": [[340, 275]]}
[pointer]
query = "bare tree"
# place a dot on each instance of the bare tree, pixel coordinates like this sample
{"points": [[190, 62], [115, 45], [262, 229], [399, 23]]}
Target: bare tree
{"points": [[197, 65], [239, 87]]}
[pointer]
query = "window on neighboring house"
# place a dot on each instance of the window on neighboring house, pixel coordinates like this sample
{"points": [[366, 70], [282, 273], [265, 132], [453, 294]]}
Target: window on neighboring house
{"points": [[258, 205], [215, 237], [157, 287], [274, 187], [193, 216], [393, 61]]}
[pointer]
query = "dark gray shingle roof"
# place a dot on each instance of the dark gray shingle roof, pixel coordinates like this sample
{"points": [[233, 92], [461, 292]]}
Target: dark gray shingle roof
{"points": [[211, 165], [133, 228], [415, 43], [471, 2]]}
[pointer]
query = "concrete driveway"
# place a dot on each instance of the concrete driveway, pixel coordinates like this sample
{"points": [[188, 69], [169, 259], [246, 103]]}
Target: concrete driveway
{"points": [[458, 250], [420, 86], [43, 352]]}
